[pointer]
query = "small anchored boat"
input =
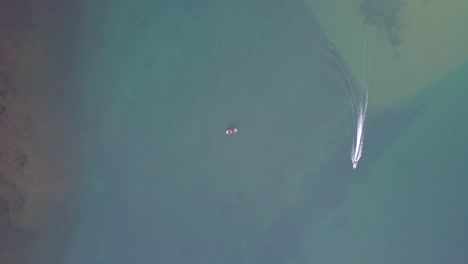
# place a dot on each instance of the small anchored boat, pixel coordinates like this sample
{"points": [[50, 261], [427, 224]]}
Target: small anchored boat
{"points": [[231, 131]]}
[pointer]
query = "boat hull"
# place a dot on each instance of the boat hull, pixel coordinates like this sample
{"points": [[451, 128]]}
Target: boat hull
{"points": [[231, 131]]}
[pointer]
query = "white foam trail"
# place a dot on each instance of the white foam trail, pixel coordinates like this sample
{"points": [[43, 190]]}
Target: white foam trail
{"points": [[359, 108], [358, 142]]}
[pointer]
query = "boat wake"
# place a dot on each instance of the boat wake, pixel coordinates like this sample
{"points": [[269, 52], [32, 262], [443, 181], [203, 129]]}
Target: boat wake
{"points": [[359, 139], [359, 97], [361, 110]]}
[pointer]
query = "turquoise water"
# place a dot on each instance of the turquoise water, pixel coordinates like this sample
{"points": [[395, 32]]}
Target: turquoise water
{"points": [[161, 81], [168, 83], [411, 206]]}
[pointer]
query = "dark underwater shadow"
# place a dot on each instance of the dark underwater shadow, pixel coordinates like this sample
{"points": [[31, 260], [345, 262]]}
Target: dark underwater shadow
{"points": [[328, 190], [383, 128], [37, 227]]}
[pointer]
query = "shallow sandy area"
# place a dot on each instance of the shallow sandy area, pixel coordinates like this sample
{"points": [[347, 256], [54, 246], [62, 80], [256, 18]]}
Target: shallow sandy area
{"points": [[411, 43]]}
